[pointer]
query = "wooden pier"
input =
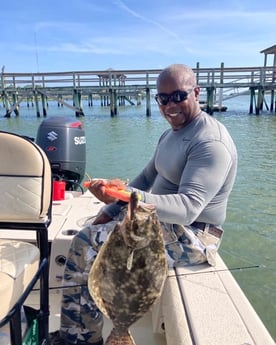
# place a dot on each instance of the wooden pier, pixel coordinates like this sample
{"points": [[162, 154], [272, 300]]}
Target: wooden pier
{"points": [[116, 87]]}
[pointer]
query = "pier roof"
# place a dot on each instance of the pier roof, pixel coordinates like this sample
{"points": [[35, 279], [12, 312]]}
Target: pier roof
{"points": [[267, 51], [270, 50]]}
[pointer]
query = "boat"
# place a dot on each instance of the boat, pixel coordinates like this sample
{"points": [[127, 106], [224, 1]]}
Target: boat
{"points": [[199, 304], [216, 107]]}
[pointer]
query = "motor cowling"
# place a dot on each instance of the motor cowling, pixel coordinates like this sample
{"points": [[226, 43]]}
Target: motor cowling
{"points": [[64, 142]]}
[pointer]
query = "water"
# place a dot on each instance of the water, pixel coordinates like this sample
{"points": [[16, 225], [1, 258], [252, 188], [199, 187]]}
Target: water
{"points": [[121, 146]]}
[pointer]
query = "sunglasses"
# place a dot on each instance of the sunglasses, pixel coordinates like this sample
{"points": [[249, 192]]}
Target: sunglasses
{"points": [[176, 97]]}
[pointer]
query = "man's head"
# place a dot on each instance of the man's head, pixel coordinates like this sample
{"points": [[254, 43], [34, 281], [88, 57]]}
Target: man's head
{"points": [[177, 95]]}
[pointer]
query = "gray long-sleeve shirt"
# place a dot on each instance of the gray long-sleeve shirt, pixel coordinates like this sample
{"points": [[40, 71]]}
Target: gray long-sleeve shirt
{"points": [[190, 175]]}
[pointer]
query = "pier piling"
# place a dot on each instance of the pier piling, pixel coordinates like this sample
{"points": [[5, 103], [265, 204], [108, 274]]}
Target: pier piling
{"points": [[15, 103], [77, 101], [6, 105], [44, 105], [210, 100], [148, 111], [36, 103]]}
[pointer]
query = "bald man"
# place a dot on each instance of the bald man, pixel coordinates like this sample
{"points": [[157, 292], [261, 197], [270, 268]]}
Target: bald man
{"points": [[189, 179]]}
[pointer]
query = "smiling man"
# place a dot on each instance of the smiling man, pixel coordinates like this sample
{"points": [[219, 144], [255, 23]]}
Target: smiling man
{"points": [[188, 179], [192, 171]]}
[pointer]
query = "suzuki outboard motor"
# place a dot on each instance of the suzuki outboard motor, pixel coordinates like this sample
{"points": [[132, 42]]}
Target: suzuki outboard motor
{"points": [[64, 143]]}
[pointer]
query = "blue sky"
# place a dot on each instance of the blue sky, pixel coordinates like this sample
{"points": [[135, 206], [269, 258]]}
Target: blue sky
{"points": [[62, 35]]}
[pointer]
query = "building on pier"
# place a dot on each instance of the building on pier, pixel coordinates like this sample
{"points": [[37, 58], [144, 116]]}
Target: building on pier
{"points": [[270, 51], [269, 73]]}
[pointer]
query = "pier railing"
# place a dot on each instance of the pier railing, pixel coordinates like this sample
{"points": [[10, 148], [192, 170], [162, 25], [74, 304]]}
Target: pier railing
{"points": [[206, 77], [113, 84]]}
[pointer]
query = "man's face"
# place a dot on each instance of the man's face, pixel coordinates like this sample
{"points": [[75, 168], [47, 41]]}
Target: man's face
{"points": [[178, 102]]}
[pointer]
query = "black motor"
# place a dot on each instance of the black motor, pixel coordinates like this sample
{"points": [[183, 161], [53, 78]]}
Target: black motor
{"points": [[64, 143]]}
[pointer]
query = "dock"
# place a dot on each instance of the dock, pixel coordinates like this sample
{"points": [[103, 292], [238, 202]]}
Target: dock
{"points": [[115, 88]]}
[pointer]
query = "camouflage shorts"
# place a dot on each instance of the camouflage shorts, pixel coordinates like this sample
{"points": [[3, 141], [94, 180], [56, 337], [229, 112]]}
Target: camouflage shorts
{"points": [[187, 245], [81, 321]]}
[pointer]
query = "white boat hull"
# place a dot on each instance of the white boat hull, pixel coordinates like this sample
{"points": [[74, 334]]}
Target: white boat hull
{"points": [[199, 304]]}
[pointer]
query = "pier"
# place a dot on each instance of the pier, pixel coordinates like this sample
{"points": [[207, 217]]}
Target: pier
{"points": [[116, 87]]}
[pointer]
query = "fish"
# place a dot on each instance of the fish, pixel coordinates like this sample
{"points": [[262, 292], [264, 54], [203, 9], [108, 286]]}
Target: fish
{"points": [[128, 274]]}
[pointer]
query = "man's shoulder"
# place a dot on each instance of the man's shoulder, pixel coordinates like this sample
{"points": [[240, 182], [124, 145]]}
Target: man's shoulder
{"points": [[164, 134], [209, 127]]}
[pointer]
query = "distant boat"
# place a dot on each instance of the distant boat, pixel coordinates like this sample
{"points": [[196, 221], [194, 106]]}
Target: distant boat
{"points": [[216, 107]]}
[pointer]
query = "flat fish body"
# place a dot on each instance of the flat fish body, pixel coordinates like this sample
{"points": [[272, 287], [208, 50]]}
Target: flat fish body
{"points": [[129, 272]]}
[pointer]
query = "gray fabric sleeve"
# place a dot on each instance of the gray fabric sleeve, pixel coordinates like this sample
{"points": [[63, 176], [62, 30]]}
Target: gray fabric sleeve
{"points": [[204, 175]]}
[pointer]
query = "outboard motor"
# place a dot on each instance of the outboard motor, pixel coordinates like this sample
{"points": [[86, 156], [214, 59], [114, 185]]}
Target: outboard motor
{"points": [[64, 143]]}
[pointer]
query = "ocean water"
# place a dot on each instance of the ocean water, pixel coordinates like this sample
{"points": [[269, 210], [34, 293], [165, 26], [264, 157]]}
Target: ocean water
{"points": [[121, 146]]}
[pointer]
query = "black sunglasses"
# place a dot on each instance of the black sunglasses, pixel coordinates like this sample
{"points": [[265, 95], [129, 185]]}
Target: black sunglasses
{"points": [[177, 96]]}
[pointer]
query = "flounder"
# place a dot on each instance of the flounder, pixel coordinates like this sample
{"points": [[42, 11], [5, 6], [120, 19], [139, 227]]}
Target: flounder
{"points": [[129, 271]]}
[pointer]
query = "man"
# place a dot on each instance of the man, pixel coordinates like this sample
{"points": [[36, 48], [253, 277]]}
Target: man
{"points": [[189, 179]]}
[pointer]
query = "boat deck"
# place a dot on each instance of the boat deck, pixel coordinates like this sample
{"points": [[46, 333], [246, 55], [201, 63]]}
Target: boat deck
{"points": [[142, 331], [200, 305]]}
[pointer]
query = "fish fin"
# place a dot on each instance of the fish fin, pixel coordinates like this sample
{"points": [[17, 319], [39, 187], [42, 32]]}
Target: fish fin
{"points": [[130, 260], [115, 338], [133, 204]]}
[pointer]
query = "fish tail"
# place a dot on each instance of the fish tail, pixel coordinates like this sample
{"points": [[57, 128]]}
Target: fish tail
{"points": [[116, 338]]}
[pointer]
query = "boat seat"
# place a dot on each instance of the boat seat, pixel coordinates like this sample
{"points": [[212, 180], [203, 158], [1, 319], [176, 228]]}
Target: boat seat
{"points": [[26, 199], [18, 264], [203, 305]]}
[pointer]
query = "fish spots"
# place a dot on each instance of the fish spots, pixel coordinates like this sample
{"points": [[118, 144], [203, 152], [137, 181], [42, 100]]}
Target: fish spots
{"points": [[129, 271]]}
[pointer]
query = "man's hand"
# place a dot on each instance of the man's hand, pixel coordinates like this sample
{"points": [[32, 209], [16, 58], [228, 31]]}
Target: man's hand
{"points": [[101, 218], [97, 188], [102, 189]]}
